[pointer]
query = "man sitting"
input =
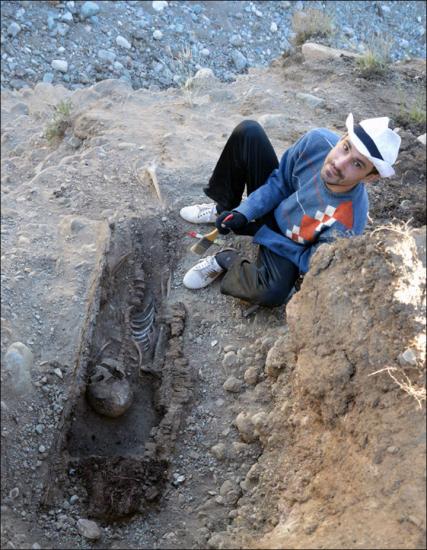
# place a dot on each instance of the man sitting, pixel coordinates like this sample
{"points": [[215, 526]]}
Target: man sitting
{"points": [[316, 193]]}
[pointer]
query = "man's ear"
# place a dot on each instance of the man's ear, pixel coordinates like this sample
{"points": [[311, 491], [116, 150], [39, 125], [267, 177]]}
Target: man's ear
{"points": [[371, 178]]}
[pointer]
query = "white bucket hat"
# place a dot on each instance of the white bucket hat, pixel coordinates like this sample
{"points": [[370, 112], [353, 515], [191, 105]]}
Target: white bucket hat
{"points": [[375, 141]]}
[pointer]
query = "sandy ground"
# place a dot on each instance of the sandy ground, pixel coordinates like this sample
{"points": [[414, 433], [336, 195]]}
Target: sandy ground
{"points": [[83, 221]]}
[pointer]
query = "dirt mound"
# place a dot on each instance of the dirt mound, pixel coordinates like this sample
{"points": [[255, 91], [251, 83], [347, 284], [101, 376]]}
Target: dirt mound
{"points": [[343, 463]]}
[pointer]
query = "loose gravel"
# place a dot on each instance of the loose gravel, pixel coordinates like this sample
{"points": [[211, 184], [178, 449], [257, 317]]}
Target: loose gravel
{"points": [[161, 44]]}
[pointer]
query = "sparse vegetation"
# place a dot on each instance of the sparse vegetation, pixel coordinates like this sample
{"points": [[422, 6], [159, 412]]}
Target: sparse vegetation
{"points": [[61, 120], [311, 23], [376, 59], [183, 67], [413, 114]]}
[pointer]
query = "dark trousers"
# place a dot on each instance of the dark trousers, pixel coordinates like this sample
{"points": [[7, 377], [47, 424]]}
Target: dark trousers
{"points": [[246, 162]]}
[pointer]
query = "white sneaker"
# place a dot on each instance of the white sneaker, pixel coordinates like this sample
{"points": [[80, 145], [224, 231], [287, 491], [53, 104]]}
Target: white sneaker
{"points": [[199, 213], [203, 273]]}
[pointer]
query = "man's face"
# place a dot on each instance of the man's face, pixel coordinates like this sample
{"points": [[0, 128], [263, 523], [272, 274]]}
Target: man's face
{"points": [[345, 167]]}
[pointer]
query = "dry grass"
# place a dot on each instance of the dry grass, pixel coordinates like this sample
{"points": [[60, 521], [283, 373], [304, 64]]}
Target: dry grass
{"points": [[311, 23], [376, 60], [56, 129]]}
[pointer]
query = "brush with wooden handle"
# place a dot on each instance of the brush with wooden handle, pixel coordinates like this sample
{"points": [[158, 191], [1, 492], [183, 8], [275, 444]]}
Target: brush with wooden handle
{"points": [[205, 242]]}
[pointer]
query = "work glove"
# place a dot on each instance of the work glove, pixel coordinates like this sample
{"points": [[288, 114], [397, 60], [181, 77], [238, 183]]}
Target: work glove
{"points": [[233, 221]]}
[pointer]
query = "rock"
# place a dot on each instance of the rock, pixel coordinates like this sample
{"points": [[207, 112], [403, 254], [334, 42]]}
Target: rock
{"points": [[67, 17], [13, 29], [273, 121], [36, 546], [311, 100], [58, 373], [89, 9], [17, 83], [204, 78], [276, 359], [236, 40], [157, 35], [88, 528], [73, 499], [18, 362], [422, 139], [62, 29], [230, 359], [273, 27], [260, 423], [219, 451], [59, 65], [408, 357], [39, 429], [159, 5], [123, 43], [239, 60], [48, 78], [230, 492], [107, 55], [232, 385], [109, 392], [317, 52], [14, 493], [246, 429], [251, 376]]}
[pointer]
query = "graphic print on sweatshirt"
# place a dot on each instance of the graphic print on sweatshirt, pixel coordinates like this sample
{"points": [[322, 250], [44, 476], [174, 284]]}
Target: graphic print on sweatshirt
{"points": [[310, 228]]}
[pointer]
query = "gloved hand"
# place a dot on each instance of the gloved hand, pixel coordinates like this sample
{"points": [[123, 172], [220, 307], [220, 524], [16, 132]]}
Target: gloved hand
{"points": [[233, 221]]}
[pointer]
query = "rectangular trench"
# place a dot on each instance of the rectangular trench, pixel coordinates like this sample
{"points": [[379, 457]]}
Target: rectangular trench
{"points": [[130, 382]]}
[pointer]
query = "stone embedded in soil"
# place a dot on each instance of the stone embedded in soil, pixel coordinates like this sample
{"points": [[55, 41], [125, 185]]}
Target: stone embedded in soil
{"points": [[232, 385], [408, 357], [219, 451], [88, 529], [251, 376], [243, 422], [230, 359]]}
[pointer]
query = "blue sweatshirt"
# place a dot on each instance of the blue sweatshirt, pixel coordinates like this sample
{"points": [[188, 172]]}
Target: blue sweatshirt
{"points": [[306, 211]]}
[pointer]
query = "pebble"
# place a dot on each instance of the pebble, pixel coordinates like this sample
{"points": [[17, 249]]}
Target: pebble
{"points": [[408, 357], [106, 55], [88, 529], [60, 65], [230, 359], [14, 493], [42, 449], [273, 27], [251, 376], [157, 35], [123, 43], [36, 546], [246, 429], [239, 60], [39, 429], [13, 29], [89, 9], [219, 451], [159, 5]]}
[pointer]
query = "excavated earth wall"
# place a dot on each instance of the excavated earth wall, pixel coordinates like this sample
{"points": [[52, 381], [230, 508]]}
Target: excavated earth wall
{"points": [[343, 463]]}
